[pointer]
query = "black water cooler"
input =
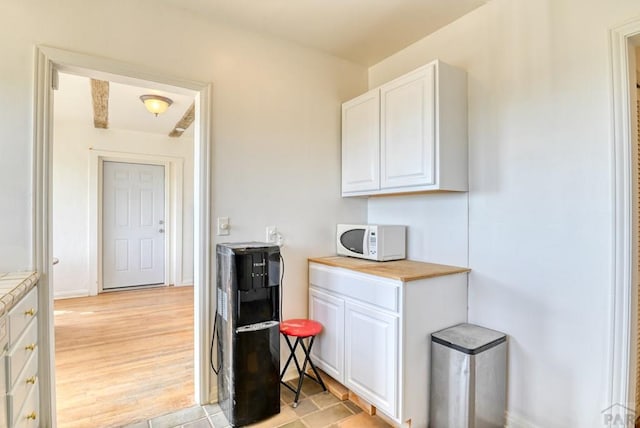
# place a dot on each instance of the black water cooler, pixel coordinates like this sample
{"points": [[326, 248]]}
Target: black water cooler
{"points": [[248, 289]]}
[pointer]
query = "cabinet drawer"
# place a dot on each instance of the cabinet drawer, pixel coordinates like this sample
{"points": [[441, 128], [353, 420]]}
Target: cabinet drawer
{"points": [[20, 315], [376, 291], [29, 415], [20, 352], [27, 380]]}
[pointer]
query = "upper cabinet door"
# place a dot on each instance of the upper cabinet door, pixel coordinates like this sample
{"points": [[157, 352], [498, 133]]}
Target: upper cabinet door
{"points": [[408, 134], [361, 143]]}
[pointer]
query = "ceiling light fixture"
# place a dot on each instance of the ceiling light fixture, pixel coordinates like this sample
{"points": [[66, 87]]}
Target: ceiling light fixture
{"points": [[156, 104]]}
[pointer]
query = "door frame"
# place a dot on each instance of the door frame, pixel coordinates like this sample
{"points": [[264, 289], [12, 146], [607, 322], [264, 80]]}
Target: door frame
{"points": [[621, 343], [173, 205], [48, 61]]}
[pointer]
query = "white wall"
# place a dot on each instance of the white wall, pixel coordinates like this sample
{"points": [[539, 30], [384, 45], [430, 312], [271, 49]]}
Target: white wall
{"points": [[437, 223], [276, 119], [71, 187], [540, 201]]}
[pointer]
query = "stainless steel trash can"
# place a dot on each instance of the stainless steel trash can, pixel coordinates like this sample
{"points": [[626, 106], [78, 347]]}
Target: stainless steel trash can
{"points": [[468, 378]]}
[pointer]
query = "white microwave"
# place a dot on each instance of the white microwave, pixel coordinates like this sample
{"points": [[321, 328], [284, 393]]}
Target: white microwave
{"points": [[371, 241]]}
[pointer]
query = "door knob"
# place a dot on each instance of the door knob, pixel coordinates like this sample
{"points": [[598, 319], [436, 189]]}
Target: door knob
{"points": [[161, 230]]}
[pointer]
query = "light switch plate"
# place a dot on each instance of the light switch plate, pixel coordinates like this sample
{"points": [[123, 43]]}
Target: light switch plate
{"points": [[223, 226]]}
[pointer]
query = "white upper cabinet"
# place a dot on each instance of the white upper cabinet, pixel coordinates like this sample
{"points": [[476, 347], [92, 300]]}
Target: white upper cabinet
{"points": [[407, 130], [361, 143], [418, 140]]}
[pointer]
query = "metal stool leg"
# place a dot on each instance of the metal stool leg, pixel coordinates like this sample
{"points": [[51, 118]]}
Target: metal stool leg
{"points": [[302, 372], [292, 355], [307, 353]]}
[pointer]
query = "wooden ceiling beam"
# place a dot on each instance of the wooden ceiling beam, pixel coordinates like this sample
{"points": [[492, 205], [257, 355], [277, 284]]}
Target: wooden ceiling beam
{"points": [[185, 122], [100, 98]]}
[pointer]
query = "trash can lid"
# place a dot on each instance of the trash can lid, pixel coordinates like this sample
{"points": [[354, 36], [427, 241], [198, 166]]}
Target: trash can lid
{"points": [[469, 338]]}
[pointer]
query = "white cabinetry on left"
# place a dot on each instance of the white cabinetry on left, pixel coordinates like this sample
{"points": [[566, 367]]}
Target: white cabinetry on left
{"points": [[21, 368]]}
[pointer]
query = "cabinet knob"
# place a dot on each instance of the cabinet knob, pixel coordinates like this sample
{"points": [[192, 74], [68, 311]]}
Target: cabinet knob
{"points": [[32, 416], [30, 347], [32, 379], [30, 312]]}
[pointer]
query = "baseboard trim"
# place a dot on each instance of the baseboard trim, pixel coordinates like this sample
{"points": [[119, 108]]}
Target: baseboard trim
{"points": [[187, 283], [517, 421], [70, 294]]}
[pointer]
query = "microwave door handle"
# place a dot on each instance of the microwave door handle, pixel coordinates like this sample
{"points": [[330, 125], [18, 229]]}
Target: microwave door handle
{"points": [[365, 244]]}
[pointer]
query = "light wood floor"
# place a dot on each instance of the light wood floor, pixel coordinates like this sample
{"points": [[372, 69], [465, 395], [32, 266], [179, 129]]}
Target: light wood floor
{"points": [[124, 356]]}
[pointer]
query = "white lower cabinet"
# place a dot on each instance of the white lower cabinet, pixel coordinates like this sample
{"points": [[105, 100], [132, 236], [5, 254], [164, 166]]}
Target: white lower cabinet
{"points": [[329, 311], [21, 367], [371, 343], [376, 334]]}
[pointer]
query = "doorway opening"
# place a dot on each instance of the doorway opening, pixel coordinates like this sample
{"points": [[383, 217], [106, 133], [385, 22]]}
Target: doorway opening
{"points": [[50, 63], [634, 97], [121, 199], [624, 304]]}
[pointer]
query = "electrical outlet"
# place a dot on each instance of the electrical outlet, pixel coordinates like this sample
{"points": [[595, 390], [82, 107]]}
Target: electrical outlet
{"points": [[271, 234]]}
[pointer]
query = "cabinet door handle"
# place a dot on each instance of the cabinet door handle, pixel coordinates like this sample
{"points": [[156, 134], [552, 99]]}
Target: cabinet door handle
{"points": [[32, 416], [32, 379], [30, 347], [30, 312]]}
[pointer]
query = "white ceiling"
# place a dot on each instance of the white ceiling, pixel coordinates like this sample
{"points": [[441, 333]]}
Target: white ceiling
{"points": [[363, 31], [72, 102]]}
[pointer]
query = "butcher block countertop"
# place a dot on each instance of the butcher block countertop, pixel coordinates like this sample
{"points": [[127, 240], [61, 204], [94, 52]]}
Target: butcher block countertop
{"points": [[14, 285], [402, 270]]}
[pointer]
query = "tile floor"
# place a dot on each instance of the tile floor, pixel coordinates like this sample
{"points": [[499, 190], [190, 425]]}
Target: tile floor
{"points": [[316, 409]]}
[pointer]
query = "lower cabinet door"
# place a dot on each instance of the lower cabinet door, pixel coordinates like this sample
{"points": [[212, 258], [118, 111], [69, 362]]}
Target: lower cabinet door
{"points": [[328, 347], [29, 415], [27, 381], [371, 356]]}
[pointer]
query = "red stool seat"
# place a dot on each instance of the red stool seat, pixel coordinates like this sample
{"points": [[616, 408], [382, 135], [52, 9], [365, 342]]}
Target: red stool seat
{"points": [[300, 327]]}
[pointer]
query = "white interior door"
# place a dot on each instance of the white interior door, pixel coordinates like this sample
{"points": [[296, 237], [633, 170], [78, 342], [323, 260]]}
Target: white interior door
{"points": [[133, 225]]}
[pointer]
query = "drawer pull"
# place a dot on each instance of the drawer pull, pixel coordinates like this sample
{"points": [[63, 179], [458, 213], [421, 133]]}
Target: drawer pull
{"points": [[32, 416], [30, 347], [30, 312], [32, 379]]}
